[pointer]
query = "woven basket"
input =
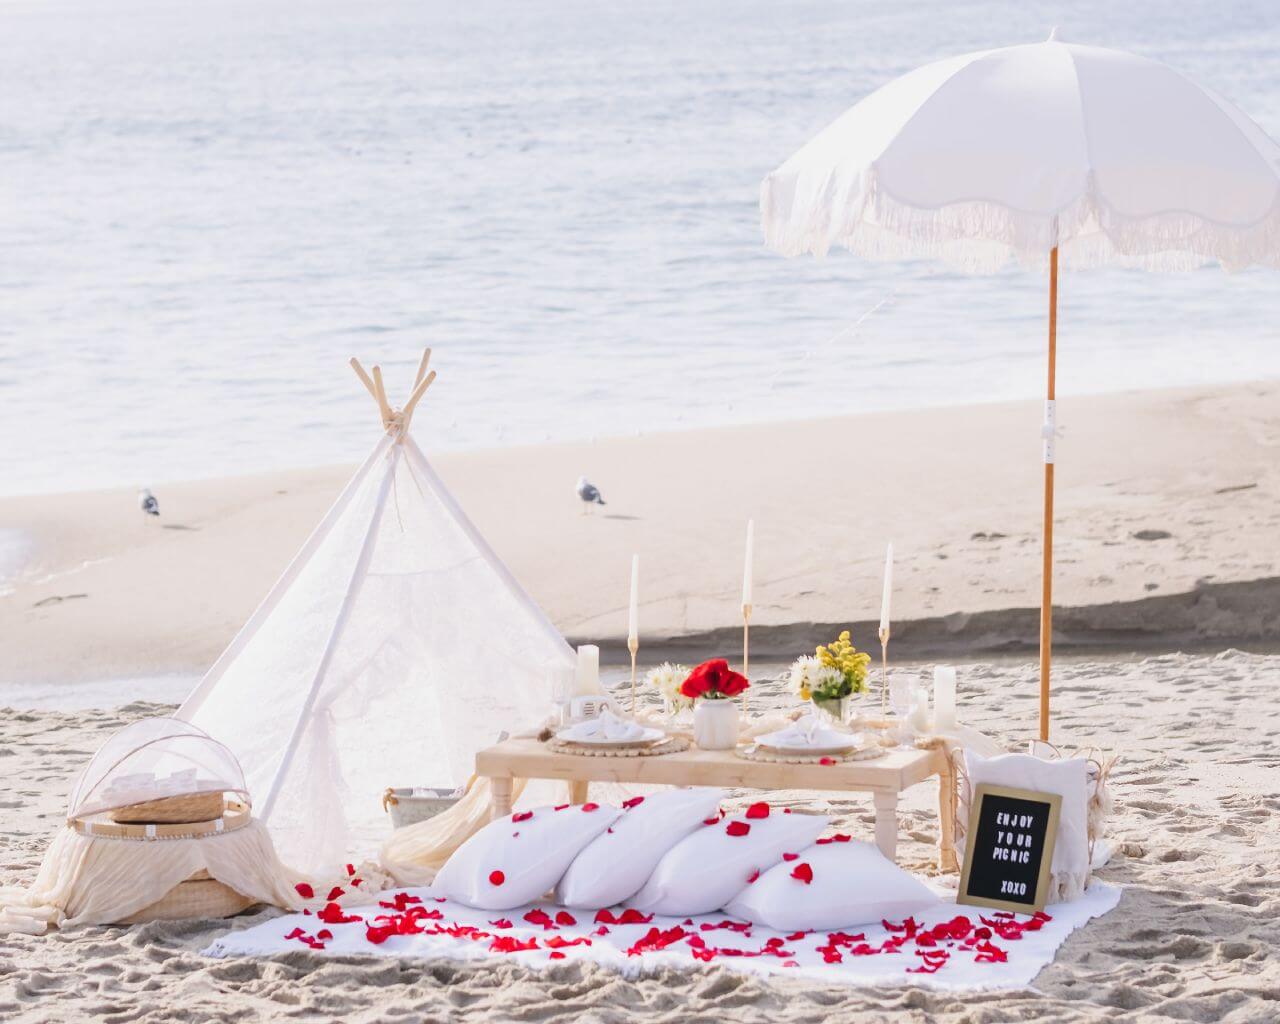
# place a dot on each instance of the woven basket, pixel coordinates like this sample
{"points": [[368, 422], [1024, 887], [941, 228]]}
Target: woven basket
{"points": [[171, 810], [408, 807], [198, 897]]}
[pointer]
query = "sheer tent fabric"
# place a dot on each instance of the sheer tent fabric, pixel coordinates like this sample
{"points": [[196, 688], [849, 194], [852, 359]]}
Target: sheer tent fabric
{"points": [[394, 646], [150, 760]]}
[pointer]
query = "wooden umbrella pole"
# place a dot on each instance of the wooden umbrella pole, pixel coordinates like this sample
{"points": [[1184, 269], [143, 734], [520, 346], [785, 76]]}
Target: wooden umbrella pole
{"points": [[1050, 425]]}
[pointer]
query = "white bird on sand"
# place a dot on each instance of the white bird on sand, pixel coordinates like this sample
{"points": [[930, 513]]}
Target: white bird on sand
{"points": [[589, 493], [147, 502]]}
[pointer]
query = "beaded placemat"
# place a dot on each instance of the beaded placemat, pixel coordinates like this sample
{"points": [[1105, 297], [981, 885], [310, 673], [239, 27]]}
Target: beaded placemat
{"points": [[755, 753], [670, 745]]}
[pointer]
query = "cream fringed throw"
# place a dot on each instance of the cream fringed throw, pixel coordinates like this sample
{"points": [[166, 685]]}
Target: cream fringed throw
{"points": [[96, 880], [416, 852]]}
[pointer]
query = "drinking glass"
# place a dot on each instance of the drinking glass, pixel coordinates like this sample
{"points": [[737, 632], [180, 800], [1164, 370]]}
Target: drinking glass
{"points": [[902, 697], [560, 684]]}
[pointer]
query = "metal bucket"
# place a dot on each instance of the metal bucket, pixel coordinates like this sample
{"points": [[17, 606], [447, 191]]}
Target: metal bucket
{"points": [[410, 805]]}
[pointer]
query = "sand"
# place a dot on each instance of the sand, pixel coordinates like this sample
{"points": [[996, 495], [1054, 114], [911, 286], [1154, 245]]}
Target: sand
{"points": [[1166, 525], [1192, 940], [1167, 520]]}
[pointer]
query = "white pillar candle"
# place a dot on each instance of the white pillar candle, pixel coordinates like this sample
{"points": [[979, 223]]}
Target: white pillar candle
{"points": [[587, 678], [944, 698], [888, 589], [746, 567], [633, 616], [919, 714]]}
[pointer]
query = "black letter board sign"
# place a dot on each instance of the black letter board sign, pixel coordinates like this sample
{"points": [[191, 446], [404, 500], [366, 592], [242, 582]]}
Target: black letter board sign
{"points": [[1009, 848]]}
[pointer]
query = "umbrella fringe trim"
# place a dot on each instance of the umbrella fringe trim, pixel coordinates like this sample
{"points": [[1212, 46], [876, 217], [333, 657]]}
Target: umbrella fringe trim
{"points": [[982, 236]]}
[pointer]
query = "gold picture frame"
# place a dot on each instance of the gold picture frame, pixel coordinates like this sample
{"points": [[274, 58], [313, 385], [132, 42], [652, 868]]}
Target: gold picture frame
{"points": [[980, 793]]}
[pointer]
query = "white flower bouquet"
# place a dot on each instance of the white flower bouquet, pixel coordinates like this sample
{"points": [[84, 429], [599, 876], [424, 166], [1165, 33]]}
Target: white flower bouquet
{"points": [[666, 679]]}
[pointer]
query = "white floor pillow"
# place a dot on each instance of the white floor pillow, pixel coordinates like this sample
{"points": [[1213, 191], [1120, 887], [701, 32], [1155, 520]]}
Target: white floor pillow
{"points": [[704, 871], [1070, 869], [516, 859], [617, 863], [829, 886]]}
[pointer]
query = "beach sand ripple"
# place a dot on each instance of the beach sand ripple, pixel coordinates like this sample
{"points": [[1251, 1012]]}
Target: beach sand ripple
{"points": [[1193, 939]]}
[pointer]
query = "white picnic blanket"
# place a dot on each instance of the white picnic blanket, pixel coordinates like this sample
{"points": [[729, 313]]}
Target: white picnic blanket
{"points": [[955, 948]]}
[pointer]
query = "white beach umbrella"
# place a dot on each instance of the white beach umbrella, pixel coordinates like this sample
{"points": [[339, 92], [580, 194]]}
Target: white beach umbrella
{"points": [[1032, 153]]}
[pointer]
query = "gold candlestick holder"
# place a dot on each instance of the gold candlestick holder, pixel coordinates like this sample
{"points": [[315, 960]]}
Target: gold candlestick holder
{"points": [[884, 670], [633, 645], [746, 649]]}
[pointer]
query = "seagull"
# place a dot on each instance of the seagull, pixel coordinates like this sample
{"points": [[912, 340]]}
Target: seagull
{"points": [[589, 494], [147, 502]]}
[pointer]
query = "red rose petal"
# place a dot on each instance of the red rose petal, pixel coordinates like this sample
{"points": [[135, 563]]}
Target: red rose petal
{"points": [[324, 934], [802, 872], [561, 807], [502, 922], [839, 837], [305, 891], [496, 878], [758, 810], [754, 875], [737, 828], [790, 856], [351, 869], [590, 807], [557, 955], [635, 801], [828, 761], [631, 916], [537, 916], [335, 893], [563, 917], [522, 816]]}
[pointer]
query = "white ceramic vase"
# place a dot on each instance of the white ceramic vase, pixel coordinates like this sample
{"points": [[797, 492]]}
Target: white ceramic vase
{"points": [[715, 724]]}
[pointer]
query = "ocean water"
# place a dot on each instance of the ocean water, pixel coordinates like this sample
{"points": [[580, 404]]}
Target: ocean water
{"points": [[96, 693], [205, 209]]}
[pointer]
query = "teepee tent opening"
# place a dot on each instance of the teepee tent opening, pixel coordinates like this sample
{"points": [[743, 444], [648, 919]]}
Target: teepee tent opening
{"points": [[393, 647]]}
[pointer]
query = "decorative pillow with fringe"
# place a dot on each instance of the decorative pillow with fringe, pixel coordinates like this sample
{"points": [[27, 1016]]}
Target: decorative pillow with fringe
{"points": [[1069, 779]]}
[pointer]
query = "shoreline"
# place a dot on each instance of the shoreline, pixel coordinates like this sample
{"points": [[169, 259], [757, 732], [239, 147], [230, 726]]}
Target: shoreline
{"points": [[1166, 522]]}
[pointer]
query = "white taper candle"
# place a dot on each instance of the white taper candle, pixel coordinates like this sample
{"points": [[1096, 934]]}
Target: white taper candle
{"points": [[633, 617], [885, 600]]}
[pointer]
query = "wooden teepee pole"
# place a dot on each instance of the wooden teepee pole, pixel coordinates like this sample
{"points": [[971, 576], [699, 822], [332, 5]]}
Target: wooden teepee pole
{"points": [[1050, 424]]}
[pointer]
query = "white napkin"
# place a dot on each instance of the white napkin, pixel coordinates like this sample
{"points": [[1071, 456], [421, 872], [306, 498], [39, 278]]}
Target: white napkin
{"points": [[805, 732], [606, 726]]}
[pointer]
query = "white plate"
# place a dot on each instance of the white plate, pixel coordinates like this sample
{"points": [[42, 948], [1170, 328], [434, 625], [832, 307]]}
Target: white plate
{"points": [[826, 742], [646, 737]]}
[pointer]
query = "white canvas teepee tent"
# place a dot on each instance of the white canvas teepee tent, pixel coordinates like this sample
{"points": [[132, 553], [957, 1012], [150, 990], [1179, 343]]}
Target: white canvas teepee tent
{"points": [[394, 646]]}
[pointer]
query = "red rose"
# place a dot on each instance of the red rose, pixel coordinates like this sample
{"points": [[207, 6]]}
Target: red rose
{"points": [[713, 679]]}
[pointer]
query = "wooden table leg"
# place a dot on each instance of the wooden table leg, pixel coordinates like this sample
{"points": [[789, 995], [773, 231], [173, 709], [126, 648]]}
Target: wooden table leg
{"points": [[887, 823], [578, 791], [947, 859], [502, 789]]}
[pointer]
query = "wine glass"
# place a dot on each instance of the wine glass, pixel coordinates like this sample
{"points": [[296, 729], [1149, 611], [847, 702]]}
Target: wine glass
{"points": [[560, 682]]}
